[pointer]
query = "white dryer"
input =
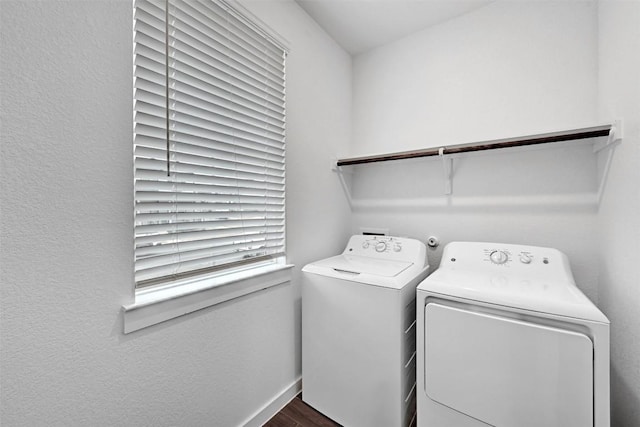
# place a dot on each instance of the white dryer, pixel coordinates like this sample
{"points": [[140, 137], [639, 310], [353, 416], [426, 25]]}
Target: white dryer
{"points": [[506, 339], [358, 331]]}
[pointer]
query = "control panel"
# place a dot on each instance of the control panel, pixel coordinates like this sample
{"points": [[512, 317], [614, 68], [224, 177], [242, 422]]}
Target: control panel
{"points": [[383, 244], [501, 256], [505, 258], [387, 247]]}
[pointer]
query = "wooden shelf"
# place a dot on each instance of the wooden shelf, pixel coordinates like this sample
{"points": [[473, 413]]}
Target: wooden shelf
{"points": [[613, 133], [546, 138]]}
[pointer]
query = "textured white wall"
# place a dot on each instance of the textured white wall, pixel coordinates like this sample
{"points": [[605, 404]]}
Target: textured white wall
{"points": [[66, 231], [619, 216], [508, 69]]}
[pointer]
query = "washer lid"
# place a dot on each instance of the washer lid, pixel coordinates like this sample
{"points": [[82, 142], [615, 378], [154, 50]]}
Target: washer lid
{"points": [[557, 297], [356, 264]]}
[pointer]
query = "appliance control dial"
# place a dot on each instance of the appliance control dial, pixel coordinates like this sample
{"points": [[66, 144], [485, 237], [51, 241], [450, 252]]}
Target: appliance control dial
{"points": [[525, 258], [499, 257], [365, 245], [381, 246], [397, 247]]}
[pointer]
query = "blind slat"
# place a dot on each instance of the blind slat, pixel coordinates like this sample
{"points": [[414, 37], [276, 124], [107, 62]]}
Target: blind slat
{"points": [[205, 252], [151, 169], [151, 196], [194, 125], [191, 153], [238, 33], [255, 242], [222, 98], [193, 115], [204, 265], [230, 209], [195, 227], [189, 29], [222, 181], [197, 74]]}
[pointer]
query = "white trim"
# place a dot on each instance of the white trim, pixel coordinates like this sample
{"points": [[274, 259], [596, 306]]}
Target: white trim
{"points": [[275, 405], [156, 305]]}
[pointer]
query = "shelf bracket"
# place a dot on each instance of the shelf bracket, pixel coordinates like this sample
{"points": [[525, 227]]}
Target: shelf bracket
{"points": [[614, 138], [616, 134], [345, 187], [447, 167]]}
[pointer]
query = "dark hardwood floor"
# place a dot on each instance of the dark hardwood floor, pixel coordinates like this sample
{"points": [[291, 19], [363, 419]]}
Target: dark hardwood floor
{"points": [[299, 414]]}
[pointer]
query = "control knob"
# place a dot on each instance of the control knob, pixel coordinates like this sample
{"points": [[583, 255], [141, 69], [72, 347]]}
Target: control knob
{"points": [[381, 246], [498, 257], [525, 258]]}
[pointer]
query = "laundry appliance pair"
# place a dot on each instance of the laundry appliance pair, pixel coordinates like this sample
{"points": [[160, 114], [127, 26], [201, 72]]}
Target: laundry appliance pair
{"points": [[499, 336]]}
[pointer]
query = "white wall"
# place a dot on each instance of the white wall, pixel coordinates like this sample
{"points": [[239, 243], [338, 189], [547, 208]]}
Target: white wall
{"points": [[619, 216], [67, 224], [508, 69]]}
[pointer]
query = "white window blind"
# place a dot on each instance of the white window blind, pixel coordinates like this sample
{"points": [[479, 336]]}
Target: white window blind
{"points": [[209, 140]]}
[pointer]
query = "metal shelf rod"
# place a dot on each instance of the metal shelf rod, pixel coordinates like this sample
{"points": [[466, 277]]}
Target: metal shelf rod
{"points": [[546, 138]]}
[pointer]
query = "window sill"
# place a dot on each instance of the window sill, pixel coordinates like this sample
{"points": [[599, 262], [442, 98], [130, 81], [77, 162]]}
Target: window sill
{"points": [[154, 306]]}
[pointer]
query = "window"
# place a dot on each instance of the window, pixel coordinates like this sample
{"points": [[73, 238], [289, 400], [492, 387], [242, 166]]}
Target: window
{"points": [[209, 141]]}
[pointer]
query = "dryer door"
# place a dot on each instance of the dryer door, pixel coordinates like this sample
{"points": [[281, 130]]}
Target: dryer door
{"points": [[506, 372]]}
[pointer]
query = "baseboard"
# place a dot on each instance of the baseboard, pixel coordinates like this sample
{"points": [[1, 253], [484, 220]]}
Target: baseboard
{"points": [[275, 405]]}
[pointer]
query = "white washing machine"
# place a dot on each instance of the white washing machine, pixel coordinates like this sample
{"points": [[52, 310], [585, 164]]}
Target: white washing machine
{"points": [[358, 331], [506, 339]]}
